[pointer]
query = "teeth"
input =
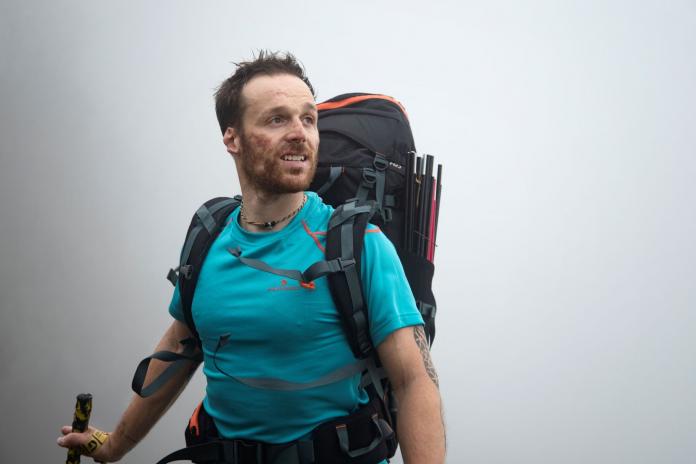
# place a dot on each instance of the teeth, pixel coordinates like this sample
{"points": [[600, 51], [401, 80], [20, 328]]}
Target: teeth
{"points": [[294, 157]]}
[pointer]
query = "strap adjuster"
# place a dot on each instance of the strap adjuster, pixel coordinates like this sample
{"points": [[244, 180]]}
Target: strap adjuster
{"points": [[380, 162], [369, 176], [387, 215], [186, 271], [344, 264]]}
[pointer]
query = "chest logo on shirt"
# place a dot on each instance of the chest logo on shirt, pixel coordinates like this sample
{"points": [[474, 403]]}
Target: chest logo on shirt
{"points": [[283, 287]]}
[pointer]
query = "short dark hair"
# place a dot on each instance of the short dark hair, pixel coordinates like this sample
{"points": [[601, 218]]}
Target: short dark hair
{"points": [[229, 106]]}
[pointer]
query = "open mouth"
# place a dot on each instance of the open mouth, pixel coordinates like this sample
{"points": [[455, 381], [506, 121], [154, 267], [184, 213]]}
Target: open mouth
{"points": [[292, 157]]}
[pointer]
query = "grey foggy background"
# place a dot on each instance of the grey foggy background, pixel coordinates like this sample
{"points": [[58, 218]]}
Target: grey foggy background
{"points": [[565, 267]]}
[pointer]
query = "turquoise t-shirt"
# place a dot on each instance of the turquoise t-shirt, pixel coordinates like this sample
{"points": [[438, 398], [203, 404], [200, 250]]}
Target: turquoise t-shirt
{"points": [[276, 328]]}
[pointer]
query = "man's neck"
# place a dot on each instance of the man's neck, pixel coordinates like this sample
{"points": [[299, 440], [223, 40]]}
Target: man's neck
{"points": [[266, 208]]}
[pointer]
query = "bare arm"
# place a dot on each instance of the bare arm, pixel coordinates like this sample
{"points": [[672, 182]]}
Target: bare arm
{"points": [[406, 357], [142, 413]]}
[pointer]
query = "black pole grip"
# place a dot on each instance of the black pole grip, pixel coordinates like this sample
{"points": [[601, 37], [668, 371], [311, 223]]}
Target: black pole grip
{"points": [[83, 408]]}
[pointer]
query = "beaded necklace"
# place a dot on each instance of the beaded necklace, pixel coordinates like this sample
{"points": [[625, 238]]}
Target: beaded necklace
{"points": [[271, 224]]}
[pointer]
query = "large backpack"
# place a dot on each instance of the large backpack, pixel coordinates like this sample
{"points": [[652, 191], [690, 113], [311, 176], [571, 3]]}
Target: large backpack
{"points": [[367, 152], [365, 159]]}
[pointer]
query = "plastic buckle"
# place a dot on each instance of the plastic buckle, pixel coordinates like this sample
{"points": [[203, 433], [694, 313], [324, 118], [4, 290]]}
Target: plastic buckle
{"points": [[365, 347], [186, 271], [369, 176], [344, 264], [427, 310], [380, 162], [387, 214]]}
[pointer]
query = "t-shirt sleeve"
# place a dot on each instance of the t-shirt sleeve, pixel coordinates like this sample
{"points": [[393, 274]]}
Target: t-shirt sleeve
{"points": [[389, 299], [175, 305]]}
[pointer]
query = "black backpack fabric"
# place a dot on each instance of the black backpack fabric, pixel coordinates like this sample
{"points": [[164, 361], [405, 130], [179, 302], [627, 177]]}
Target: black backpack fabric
{"points": [[366, 141]]}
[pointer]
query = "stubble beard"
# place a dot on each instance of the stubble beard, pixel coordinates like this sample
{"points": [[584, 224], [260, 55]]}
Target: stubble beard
{"points": [[265, 171]]}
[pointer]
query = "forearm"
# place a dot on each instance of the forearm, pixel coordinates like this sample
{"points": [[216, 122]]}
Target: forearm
{"points": [[143, 413], [420, 425]]}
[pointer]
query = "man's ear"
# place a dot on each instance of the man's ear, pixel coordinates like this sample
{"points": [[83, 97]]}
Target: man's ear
{"points": [[231, 140]]}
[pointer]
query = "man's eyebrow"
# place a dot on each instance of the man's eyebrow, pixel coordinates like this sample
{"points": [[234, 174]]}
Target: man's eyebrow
{"points": [[281, 108], [275, 109], [310, 107]]}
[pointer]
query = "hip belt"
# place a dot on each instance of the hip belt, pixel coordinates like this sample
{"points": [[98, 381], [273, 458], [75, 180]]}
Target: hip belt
{"points": [[363, 437]]}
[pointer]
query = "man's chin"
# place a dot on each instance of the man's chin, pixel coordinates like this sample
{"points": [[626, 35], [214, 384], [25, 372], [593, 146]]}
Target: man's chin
{"points": [[280, 187], [296, 183]]}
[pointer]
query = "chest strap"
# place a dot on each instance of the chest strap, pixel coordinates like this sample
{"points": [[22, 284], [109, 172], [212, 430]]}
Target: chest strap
{"points": [[313, 272]]}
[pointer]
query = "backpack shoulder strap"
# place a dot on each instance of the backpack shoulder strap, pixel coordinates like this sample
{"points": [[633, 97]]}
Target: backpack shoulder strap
{"points": [[206, 225], [344, 240]]}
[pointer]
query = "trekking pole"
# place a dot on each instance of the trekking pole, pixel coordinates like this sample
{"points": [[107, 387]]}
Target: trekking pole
{"points": [[431, 221], [408, 206], [438, 192], [415, 233], [412, 203], [83, 408], [427, 205]]}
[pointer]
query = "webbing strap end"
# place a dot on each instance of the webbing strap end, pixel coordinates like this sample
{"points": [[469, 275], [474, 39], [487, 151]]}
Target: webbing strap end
{"points": [[172, 276]]}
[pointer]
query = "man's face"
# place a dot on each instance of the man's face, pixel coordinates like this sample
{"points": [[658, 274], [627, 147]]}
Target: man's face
{"points": [[278, 140]]}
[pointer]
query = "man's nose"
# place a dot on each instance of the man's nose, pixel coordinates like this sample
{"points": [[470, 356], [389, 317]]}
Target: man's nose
{"points": [[297, 131]]}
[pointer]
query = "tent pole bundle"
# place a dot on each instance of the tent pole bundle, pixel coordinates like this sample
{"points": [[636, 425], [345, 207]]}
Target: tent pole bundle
{"points": [[423, 191]]}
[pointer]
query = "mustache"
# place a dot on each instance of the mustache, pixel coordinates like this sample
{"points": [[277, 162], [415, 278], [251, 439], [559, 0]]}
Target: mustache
{"points": [[300, 146]]}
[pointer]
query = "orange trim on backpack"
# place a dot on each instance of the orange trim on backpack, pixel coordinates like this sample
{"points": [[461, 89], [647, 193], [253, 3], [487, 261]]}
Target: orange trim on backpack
{"points": [[332, 105], [193, 421]]}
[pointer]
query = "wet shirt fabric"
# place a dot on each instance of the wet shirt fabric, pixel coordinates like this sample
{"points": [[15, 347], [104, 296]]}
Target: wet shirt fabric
{"points": [[274, 327]]}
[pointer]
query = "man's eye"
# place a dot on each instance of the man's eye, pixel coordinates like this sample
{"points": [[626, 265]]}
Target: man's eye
{"points": [[276, 120], [309, 120]]}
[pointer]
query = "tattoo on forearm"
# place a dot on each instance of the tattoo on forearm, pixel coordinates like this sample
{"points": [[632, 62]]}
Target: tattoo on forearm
{"points": [[424, 347]]}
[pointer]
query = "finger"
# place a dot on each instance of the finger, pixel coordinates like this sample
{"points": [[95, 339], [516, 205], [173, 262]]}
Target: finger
{"points": [[66, 429], [73, 440]]}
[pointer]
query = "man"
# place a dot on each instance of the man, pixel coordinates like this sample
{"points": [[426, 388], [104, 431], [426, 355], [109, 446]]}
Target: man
{"points": [[273, 328]]}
